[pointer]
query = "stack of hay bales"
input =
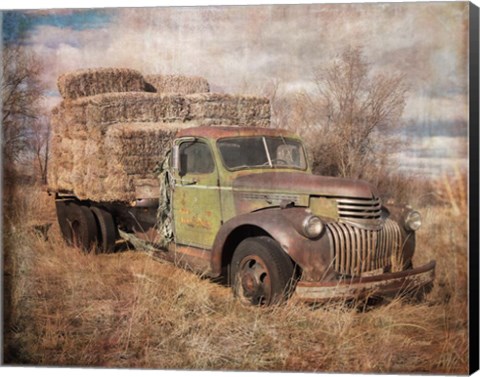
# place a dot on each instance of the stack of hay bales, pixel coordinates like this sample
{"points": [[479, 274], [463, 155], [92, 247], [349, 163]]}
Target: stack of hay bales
{"points": [[177, 84], [108, 134]]}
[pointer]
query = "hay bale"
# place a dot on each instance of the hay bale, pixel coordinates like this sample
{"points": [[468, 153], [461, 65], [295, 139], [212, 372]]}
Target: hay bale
{"points": [[127, 153], [89, 82], [60, 164], [99, 161], [52, 173], [227, 109], [176, 84], [207, 108], [65, 168], [58, 126], [77, 175], [136, 107], [105, 109], [139, 147], [69, 119]]}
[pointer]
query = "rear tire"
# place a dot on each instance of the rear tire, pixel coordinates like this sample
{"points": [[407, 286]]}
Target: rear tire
{"points": [[263, 274], [77, 225], [61, 208], [107, 231]]}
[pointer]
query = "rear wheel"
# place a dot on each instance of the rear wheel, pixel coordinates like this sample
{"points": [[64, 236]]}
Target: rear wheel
{"points": [[77, 225], [107, 231], [61, 208], [263, 274]]}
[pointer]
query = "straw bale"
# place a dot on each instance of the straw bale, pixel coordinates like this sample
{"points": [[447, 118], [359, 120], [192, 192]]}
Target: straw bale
{"points": [[139, 147], [52, 172], [60, 164], [177, 84], [140, 139], [90, 82], [63, 179], [58, 126], [74, 111], [227, 109], [105, 109], [95, 159], [112, 108], [115, 185], [66, 173], [78, 171], [69, 119], [208, 108], [128, 153]]}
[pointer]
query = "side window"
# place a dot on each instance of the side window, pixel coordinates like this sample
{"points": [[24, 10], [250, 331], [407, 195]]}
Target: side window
{"points": [[195, 158]]}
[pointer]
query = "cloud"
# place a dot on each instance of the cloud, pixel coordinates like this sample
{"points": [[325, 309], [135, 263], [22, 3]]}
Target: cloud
{"points": [[240, 47], [424, 109]]}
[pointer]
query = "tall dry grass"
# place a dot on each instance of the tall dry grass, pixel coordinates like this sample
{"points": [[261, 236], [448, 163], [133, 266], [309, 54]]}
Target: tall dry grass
{"points": [[128, 310]]}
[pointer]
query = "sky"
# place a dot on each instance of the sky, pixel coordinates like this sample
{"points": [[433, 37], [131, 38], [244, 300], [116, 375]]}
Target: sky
{"points": [[244, 48]]}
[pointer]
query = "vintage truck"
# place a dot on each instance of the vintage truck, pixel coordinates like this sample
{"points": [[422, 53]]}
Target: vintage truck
{"points": [[242, 203]]}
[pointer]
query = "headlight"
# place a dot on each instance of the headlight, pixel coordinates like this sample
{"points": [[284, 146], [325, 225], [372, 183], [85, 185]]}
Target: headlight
{"points": [[413, 221], [312, 226]]}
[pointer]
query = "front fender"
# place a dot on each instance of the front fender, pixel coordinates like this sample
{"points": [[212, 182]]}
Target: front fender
{"points": [[398, 213], [313, 256]]}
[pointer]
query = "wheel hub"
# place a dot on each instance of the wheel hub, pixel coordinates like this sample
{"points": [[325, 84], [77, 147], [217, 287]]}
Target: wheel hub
{"points": [[248, 283], [255, 281]]}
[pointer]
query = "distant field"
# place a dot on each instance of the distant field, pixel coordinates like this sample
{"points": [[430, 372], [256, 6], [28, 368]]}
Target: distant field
{"points": [[128, 310]]}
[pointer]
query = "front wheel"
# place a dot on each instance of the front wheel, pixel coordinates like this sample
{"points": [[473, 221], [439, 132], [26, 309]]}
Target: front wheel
{"points": [[263, 274]]}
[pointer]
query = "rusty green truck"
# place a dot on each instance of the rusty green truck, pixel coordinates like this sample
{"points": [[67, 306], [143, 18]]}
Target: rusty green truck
{"points": [[242, 203]]}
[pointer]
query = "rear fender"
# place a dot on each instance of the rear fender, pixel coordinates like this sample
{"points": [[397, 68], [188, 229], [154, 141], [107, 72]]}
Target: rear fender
{"points": [[284, 226]]}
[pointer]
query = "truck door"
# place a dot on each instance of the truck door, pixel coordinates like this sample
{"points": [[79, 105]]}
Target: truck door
{"points": [[196, 198]]}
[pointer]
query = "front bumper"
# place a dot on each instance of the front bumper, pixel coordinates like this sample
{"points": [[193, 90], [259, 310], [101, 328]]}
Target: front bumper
{"points": [[384, 285]]}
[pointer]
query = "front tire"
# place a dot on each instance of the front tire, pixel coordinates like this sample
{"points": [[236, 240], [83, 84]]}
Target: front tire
{"points": [[263, 274]]}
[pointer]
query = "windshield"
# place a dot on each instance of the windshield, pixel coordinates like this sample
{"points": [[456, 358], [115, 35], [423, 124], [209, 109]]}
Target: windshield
{"points": [[262, 151]]}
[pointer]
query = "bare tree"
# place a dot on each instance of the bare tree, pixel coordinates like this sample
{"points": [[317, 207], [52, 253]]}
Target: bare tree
{"points": [[21, 100], [38, 140], [352, 115], [279, 102]]}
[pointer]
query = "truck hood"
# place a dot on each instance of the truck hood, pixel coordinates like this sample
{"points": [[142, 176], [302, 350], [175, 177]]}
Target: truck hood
{"points": [[304, 184]]}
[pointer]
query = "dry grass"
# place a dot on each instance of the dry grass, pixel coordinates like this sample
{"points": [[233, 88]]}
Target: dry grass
{"points": [[128, 310]]}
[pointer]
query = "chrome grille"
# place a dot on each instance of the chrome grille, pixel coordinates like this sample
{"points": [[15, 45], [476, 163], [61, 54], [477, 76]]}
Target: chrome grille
{"points": [[359, 209], [357, 250]]}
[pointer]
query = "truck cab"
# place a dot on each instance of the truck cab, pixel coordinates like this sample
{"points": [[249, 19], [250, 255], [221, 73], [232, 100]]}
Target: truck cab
{"points": [[209, 163], [242, 203]]}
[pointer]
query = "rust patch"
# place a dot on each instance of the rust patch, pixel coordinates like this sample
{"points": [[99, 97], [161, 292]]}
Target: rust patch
{"points": [[304, 183], [195, 222], [218, 132], [388, 284]]}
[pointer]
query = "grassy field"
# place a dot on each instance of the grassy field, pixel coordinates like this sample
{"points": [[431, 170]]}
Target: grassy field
{"points": [[127, 310]]}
